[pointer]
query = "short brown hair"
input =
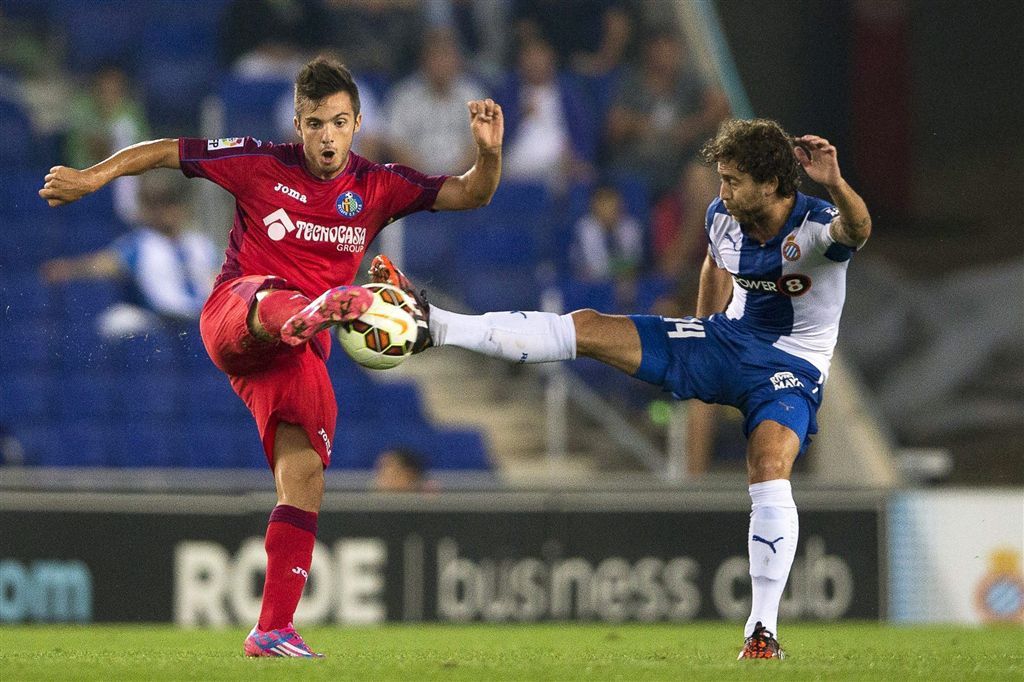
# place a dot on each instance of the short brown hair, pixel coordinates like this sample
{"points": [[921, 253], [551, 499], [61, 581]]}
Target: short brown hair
{"points": [[758, 146], [322, 78]]}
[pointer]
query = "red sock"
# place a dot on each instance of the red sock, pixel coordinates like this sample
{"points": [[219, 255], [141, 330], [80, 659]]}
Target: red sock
{"points": [[274, 309], [290, 536]]}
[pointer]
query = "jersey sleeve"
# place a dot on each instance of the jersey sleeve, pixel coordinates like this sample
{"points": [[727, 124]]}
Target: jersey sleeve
{"points": [[408, 190], [226, 161], [821, 217]]}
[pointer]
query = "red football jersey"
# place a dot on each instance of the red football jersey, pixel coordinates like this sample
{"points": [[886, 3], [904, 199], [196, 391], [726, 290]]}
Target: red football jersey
{"points": [[291, 224]]}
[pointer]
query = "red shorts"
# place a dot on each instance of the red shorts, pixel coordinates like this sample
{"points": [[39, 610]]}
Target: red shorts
{"points": [[275, 381]]}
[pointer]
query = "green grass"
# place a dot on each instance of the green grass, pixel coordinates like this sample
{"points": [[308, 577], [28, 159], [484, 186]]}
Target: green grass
{"points": [[703, 651]]}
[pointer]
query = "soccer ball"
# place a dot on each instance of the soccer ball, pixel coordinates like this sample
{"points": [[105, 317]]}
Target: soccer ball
{"points": [[382, 337]]}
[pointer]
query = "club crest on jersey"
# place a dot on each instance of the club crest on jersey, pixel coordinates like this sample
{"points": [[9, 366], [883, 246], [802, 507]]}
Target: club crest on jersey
{"points": [[791, 250], [349, 204]]}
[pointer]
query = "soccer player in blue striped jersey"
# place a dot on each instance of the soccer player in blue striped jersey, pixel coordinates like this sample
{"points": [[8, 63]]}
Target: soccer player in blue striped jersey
{"points": [[771, 293]]}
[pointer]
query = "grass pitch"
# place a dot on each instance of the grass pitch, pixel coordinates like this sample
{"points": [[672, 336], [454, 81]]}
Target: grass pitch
{"points": [[703, 651]]}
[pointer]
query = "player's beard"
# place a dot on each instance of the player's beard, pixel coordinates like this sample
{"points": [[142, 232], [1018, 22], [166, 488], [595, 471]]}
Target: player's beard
{"points": [[748, 213]]}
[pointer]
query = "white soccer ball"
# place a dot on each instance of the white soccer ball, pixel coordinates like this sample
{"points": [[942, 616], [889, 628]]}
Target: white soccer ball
{"points": [[382, 337]]}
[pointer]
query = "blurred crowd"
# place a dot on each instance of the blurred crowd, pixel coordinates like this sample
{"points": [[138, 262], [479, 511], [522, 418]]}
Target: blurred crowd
{"points": [[601, 98], [605, 107]]}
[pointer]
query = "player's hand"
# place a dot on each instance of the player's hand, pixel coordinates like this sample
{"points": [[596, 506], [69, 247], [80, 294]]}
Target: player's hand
{"points": [[62, 185], [487, 124], [819, 159]]}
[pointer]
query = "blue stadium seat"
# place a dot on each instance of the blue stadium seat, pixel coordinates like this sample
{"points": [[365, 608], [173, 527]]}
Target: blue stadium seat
{"points": [[16, 131], [499, 289], [177, 66], [25, 349], [18, 196], [153, 443], [597, 295], [153, 351], [390, 402], [78, 346], [26, 396], [458, 449], [429, 250], [249, 106], [510, 230], [209, 393], [86, 393], [39, 439], [80, 443], [649, 289], [100, 31], [151, 395], [222, 443]]}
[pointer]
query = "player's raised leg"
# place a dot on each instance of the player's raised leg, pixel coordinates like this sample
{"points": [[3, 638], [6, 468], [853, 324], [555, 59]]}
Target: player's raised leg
{"points": [[774, 528], [334, 306], [291, 534], [525, 336]]}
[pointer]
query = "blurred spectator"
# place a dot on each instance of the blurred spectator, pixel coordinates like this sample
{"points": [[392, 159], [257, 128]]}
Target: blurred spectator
{"points": [[22, 48], [426, 112], [270, 38], [104, 119], [378, 35], [602, 68], [32, 75], [662, 113], [572, 27], [608, 245], [482, 27], [611, 53], [399, 470], [168, 270], [550, 131]]}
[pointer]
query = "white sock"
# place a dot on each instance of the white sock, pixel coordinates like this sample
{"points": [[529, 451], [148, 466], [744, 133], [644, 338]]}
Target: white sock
{"points": [[774, 521], [516, 336]]}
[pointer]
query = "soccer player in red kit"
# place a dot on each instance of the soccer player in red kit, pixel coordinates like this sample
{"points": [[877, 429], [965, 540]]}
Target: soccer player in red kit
{"points": [[304, 215]]}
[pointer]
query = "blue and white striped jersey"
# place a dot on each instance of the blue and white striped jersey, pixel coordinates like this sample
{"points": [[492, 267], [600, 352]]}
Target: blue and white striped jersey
{"points": [[789, 291]]}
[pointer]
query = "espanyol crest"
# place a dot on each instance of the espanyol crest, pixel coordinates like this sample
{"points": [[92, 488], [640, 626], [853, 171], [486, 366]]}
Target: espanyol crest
{"points": [[349, 204], [790, 250]]}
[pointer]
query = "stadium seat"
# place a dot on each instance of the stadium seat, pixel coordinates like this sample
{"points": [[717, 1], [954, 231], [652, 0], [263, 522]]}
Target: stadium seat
{"points": [[209, 393], [429, 251], [597, 295], [458, 449], [18, 136], [499, 289], [100, 31], [177, 66], [649, 289], [152, 395], [79, 443], [249, 106], [393, 402], [222, 443], [87, 393], [24, 349], [26, 395], [153, 444]]}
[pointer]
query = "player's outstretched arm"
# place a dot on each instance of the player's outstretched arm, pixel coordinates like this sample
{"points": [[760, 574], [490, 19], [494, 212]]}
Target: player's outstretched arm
{"points": [[62, 185], [820, 160], [714, 289], [475, 187]]}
